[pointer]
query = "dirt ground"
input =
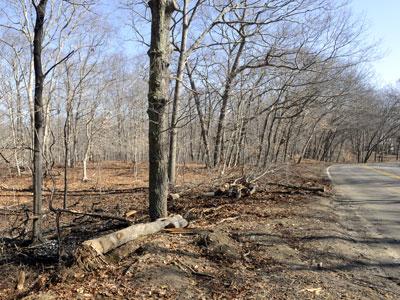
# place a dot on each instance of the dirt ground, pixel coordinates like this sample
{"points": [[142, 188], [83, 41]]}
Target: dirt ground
{"points": [[279, 243]]}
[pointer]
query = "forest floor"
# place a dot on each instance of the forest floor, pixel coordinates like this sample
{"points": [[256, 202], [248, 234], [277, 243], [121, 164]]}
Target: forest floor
{"points": [[279, 243]]}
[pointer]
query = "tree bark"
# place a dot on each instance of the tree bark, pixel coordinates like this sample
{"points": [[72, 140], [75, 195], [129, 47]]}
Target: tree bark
{"points": [[87, 149], [303, 151], [38, 121], [225, 97], [203, 127], [67, 160], [175, 105], [159, 54]]}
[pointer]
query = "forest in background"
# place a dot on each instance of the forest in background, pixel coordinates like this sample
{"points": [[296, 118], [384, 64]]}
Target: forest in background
{"points": [[251, 83]]}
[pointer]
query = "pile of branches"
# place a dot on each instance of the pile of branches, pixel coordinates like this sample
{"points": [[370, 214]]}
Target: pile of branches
{"points": [[235, 190], [241, 187]]}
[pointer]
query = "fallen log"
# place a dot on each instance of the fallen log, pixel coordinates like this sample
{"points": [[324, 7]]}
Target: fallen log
{"points": [[77, 193], [93, 215], [90, 255], [296, 187]]}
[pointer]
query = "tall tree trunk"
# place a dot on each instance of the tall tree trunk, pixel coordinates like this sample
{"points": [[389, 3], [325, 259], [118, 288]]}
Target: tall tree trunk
{"points": [[175, 105], [275, 139], [269, 141], [67, 133], [159, 53], [38, 121], [14, 133], [261, 138], [340, 151], [225, 97], [303, 151], [87, 149], [287, 139], [16, 120], [203, 127], [31, 102], [67, 160]]}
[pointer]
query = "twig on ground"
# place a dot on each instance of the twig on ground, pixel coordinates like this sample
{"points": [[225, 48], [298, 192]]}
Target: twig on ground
{"points": [[227, 219], [188, 269]]}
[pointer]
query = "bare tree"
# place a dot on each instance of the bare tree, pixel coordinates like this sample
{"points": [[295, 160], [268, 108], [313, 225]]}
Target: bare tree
{"points": [[159, 53], [40, 9]]}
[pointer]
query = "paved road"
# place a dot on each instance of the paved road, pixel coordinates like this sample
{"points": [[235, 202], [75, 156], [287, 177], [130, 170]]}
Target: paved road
{"points": [[371, 194]]}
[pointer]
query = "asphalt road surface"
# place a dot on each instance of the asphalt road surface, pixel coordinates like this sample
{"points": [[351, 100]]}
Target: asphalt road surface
{"points": [[369, 196]]}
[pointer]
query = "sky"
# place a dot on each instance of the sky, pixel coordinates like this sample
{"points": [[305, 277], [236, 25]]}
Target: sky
{"points": [[383, 21]]}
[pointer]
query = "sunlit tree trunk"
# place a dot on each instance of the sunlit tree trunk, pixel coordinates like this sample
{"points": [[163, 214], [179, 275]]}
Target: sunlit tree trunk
{"points": [[38, 121], [159, 53], [175, 105]]}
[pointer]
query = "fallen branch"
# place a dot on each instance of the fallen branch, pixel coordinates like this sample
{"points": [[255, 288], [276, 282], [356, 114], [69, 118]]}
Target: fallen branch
{"points": [[227, 219], [90, 255], [296, 187], [77, 192], [94, 215], [4, 158], [215, 208], [188, 269], [268, 171]]}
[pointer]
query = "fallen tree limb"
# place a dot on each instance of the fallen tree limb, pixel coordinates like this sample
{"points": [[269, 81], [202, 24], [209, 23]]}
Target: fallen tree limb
{"points": [[4, 158], [103, 192], [90, 255], [188, 269], [45, 192], [94, 215], [296, 187]]}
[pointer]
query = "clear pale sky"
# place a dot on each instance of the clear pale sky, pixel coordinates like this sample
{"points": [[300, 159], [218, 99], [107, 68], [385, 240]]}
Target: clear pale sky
{"points": [[383, 18]]}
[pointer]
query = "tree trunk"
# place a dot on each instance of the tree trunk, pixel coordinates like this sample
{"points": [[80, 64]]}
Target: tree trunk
{"points": [[175, 106], [303, 151], [203, 127], [14, 133], [38, 121], [67, 161], [87, 149], [261, 139], [268, 147], [225, 97], [31, 102], [287, 139], [159, 54]]}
